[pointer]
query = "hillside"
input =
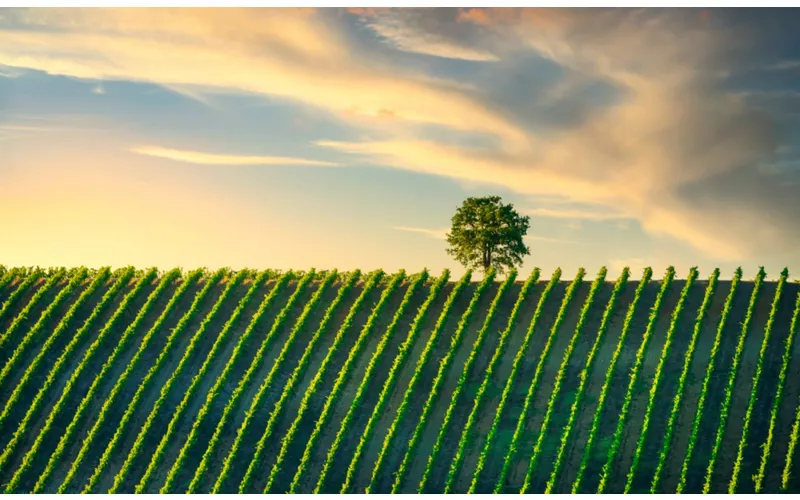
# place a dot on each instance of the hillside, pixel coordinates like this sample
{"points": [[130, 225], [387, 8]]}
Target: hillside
{"points": [[251, 381]]}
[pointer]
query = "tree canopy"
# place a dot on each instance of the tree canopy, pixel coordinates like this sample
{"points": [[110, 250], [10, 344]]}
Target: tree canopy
{"points": [[487, 233]]}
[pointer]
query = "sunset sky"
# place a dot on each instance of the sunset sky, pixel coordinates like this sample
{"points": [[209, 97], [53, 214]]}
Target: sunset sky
{"points": [[282, 138]]}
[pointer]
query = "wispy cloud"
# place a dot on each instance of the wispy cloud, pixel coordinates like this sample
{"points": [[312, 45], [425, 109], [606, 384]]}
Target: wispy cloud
{"points": [[677, 152], [10, 72], [674, 150], [547, 239], [201, 158], [784, 65], [439, 234], [299, 55], [572, 214], [399, 28]]}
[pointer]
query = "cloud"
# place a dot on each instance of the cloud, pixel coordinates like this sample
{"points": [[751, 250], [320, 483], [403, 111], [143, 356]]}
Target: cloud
{"points": [[673, 129], [674, 149], [784, 65], [546, 239], [302, 56], [200, 158], [99, 89], [439, 234], [10, 72], [399, 28], [572, 214]]}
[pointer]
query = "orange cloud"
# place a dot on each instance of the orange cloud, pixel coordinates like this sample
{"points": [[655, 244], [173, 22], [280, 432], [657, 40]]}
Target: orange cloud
{"points": [[202, 158], [539, 16], [474, 16], [366, 11], [268, 51]]}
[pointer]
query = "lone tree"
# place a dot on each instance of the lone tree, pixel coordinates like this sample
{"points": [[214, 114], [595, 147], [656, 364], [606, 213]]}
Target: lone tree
{"points": [[487, 233]]}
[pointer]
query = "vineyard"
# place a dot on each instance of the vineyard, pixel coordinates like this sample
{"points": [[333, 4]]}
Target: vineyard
{"points": [[144, 381]]}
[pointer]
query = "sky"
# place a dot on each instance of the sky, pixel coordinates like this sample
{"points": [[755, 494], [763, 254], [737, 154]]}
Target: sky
{"points": [[346, 138]]}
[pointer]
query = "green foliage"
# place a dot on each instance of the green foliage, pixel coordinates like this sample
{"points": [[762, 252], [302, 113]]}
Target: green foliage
{"points": [[665, 350], [462, 380], [56, 369], [65, 391], [466, 433], [584, 377], [255, 462], [776, 403], [487, 233], [341, 380], [678, 398], [737, 359], [150, 376], [737, 465], [155, 460], [288, 438], [388, 386], [562, 314], [543, 431], [277, 325], [86, 362], [244, 382], [412, 384], [374, 362], [301, 368], [515, 366], [165, 389], [49, 283], [605, 475], [32, 334], [726, 310], [288, 389], [55, 335], [444, 365], [123, 378], [12, 299], [91, 395], [9, 276]]}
